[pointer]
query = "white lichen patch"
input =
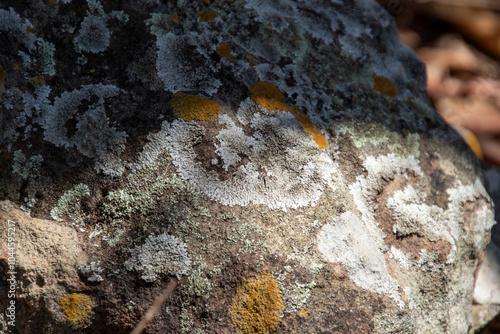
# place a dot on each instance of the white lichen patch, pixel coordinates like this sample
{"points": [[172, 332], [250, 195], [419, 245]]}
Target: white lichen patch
{"points": [[183, 63], [285, 168], [70, 206], [344, 239], [162, 254], [94, 35], [92, 134], [412, 215]]}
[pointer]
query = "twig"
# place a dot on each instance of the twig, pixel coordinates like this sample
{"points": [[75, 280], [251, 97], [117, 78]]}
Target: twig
{"points": [[149, 315]]}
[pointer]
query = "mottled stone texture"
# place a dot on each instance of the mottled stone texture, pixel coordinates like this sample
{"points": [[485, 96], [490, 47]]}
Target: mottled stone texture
{"points": [[280, 158]]}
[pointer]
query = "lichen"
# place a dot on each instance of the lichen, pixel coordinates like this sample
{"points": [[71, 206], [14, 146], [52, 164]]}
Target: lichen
{"points": [[257, 305], [272, 180], [78, 308], [384, 86], [26, 168], [159, 255], [182, 67], [94, 35], [70, 204], [192, 107]]}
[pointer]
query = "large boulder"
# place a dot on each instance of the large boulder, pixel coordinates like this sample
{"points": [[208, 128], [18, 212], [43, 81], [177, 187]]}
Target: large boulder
{"points": [[280, 159]]}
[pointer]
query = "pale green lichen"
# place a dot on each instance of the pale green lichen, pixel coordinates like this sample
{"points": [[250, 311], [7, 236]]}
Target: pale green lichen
{"points": [[70, 204], [26, 168], [199, 283]]}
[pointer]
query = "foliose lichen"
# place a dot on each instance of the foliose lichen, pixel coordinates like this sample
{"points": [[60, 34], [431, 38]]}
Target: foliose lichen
{"points": [[159, 255]]}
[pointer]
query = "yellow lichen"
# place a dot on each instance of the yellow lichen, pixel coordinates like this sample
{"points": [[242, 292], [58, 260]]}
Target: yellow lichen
{"points": [[78, 308], [269, 96], [223, 50], [257, 305], [207, 15], [193, 107], [303, 313], [175, 18], [384, 86]]}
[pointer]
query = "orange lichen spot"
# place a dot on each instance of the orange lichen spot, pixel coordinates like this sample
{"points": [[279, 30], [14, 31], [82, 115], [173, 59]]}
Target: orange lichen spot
{"points": [[78, 308], [303, 313], [2, 73], [257, 305], [207, 15], [193, 107], [54, 2], [311, 129], [299, 38], [384, 86], [223, 50], [29, 29], [206, 2], [473, 143], [269, 96], [175, 18], [252, 59]]}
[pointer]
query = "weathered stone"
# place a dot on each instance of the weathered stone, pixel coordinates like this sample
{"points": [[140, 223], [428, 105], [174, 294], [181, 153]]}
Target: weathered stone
{"points": [[281, 154]]}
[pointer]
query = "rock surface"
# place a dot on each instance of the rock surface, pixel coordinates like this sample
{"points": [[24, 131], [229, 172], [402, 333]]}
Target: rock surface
{"points": [[280, 158]]}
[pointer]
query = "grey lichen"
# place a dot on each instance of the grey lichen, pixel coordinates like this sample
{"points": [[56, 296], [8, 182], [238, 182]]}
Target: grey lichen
{"points": [[159, 255], [92, 271], [70, 204], [290, 178], [93, 35], [26, 167]]}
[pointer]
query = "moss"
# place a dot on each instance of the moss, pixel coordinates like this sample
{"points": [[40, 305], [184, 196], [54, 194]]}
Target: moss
{"points": [[78, 308], [257, 305], [384, 86], [197, 108]]}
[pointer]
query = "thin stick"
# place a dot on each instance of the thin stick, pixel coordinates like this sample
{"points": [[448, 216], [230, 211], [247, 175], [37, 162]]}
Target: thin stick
{"points": [[149, 315]]}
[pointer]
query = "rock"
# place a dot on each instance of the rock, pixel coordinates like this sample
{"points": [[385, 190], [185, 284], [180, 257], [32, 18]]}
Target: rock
{"points": [[278, 154]]}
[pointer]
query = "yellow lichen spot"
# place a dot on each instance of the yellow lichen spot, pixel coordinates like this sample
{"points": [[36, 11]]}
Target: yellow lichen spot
{"points": [[384, 86], [197, 108], [223, 50], [29, 29], [78, 308], [269, 96], [303, 314], [54, 2], [206, 2], [207, 15], [175, 18], [257, 305], [16, 66]]}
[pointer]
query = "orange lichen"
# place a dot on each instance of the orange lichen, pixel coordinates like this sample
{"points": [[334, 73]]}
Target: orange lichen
{"points": [[269, 96], [303, 313], [311, 129], [175, 18], [206, 2], [471, 140], [252, 59], [257, 305], [78, 308], [384, 86], [223, 50], [193, 107], [2, 73], [207, 15]]}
